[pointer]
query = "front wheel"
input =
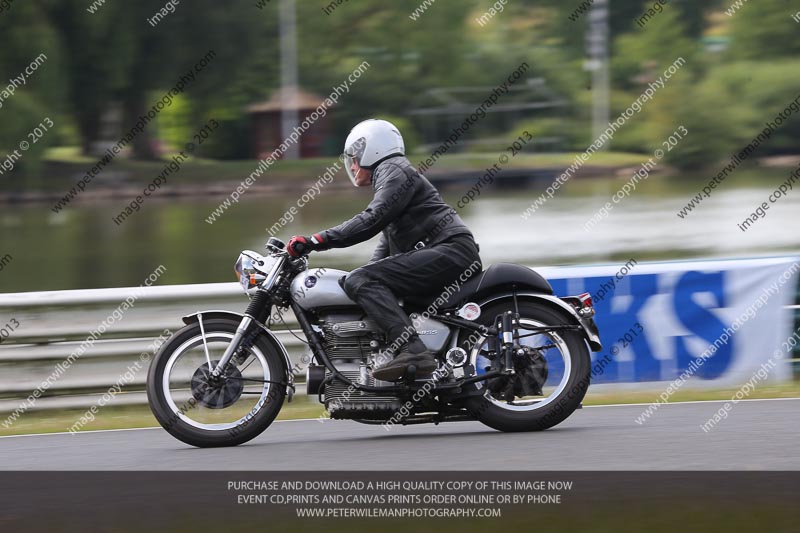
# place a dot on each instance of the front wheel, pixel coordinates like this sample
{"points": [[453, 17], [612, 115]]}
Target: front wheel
{"points": [[551, 379], [204, 411]]}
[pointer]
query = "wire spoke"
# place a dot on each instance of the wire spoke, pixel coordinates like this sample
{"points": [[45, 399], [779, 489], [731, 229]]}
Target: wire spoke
{"points": [[241, 371], [545, 347]]}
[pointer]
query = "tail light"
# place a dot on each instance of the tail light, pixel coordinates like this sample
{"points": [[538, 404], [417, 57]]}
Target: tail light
{"points": [[582, 304], [586, 300]]}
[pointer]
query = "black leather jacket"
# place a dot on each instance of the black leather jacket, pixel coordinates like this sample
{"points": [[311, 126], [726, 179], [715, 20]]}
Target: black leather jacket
{"points": [[406, 208]]}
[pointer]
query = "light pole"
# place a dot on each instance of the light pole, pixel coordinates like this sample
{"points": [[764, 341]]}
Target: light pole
{"points": [[597, 50], [289, 104]]}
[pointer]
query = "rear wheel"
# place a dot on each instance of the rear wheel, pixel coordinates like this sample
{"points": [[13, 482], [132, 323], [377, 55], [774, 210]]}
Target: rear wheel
{"points": [[551, 379], [204, 411]]}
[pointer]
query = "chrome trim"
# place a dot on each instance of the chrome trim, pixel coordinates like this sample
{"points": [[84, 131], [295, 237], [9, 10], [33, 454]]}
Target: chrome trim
{"points": [[244, 324], [203, 333], [276, 269]]}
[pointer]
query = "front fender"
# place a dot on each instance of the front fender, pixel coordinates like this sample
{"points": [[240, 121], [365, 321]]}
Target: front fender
{"points": [[590, 331], [237, 317]]}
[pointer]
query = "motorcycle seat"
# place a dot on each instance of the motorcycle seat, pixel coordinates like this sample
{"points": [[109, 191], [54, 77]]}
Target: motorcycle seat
{"points": [[497, 278]]}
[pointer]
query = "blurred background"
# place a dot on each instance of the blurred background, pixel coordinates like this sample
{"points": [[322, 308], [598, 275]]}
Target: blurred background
{"points": [[430, 66], [212, 89]]}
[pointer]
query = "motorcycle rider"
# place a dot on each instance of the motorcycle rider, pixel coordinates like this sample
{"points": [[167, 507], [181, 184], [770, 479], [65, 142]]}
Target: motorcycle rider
{"points": [[423, 247]]}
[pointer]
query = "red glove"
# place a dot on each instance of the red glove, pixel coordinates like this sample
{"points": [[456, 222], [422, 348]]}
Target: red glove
{"points": [[299, 245]]}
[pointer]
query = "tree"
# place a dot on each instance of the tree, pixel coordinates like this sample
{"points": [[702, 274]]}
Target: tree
{"points": [[25, 38], [763, 30], [116, 54]]}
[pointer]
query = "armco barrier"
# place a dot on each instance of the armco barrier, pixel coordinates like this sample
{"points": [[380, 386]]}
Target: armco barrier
{"points": [[796, 352], [682, 308], [52, 325]]}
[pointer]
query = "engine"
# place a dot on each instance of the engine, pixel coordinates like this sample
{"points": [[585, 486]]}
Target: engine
{"points": [[350, 343]]}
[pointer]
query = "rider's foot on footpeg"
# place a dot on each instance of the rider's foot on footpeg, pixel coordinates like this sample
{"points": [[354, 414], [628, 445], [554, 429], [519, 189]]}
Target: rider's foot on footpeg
{"points": [[423, 364]]}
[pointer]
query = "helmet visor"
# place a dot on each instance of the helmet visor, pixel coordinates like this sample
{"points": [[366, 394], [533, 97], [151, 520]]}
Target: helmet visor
{"points": [[348, 165], [352, 154]]}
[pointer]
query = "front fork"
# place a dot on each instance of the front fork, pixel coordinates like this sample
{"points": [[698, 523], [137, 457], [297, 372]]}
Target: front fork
{"points": [[236, 342], [259, 309]]}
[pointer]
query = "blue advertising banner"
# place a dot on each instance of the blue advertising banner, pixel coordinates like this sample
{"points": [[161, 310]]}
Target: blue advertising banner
{"points": [[714, 322]]}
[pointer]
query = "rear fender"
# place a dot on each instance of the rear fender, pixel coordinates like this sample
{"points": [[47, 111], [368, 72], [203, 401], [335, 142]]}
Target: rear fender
{"points": [[555, 303]]}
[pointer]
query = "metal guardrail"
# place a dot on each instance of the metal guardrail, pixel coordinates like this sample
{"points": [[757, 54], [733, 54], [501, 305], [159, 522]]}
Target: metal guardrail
{"points": [[54, 324], [796, 351]]}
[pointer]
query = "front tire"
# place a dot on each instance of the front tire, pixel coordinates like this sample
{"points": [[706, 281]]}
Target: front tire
{"points": [[566, 395], [177, 416]]}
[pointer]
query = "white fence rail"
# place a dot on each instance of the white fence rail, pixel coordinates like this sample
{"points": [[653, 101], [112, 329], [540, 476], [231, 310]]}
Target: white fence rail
{"points": [[52, 325]]}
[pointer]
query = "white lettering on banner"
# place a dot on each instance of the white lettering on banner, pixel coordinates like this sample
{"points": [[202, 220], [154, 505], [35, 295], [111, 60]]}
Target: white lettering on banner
{"points": [[709, 322]]}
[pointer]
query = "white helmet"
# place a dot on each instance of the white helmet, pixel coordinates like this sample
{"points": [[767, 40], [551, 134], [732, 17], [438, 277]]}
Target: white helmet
{"points": [[370, 142]]}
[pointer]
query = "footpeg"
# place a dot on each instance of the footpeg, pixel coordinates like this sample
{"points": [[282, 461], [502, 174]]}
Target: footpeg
{"points": [[411, 374]]}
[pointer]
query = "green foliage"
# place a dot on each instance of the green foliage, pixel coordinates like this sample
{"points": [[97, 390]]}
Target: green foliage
{"points": [[231, 139], [570, 34], [730, 107], [643, 54], [174, 122], [749, 101], [21, 114], [550, 134], [709, 113], [763, 30], [114, 60]]}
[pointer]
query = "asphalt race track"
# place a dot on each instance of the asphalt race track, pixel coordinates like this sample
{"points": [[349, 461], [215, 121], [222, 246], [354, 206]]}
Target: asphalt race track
{"points": [[757, 435]]}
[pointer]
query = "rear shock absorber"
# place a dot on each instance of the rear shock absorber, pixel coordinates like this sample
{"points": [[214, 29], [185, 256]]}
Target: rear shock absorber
{"points": [[507, 330]]}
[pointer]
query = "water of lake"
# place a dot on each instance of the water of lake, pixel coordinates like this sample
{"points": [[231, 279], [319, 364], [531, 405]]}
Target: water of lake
{"points": [[83, 248]]}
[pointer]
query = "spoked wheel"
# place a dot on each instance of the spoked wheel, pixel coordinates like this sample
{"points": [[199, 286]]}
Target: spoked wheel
{"points": [[204, 410], [551, 375]]}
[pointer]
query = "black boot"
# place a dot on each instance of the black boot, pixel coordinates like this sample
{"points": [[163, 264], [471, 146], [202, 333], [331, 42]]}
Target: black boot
{"points": [[414, 353]]}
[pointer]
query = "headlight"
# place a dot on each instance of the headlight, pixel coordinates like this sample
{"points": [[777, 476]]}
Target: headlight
{"points": [[252, 269]]}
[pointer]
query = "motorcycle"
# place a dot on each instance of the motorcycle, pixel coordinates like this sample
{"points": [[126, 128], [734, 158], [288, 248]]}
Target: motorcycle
{"points": [[511, 354]]}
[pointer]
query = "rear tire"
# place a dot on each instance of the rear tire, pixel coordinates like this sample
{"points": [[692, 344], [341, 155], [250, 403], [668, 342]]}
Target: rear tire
{"points": [[564, 403], [203, 438]]}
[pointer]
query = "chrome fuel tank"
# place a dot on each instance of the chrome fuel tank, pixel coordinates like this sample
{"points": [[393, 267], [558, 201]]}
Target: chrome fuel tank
{"points": [[319, 287]]}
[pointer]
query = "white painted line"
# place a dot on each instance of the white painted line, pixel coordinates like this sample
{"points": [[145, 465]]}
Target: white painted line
{"points": [[76, 433], [316, 419], [688, 402]]}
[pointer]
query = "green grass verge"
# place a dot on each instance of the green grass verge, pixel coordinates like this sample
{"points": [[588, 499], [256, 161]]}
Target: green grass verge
{"points": [[54, 421], [790, 390], [129, 416]]}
